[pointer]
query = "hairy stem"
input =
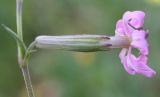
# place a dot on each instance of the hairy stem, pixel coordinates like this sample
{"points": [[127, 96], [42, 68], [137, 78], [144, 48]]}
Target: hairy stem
{"points": [[27, 80]]}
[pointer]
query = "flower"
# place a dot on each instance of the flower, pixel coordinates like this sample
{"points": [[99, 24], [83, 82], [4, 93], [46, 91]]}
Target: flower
{"points": [[131, 26], [129, 34]]}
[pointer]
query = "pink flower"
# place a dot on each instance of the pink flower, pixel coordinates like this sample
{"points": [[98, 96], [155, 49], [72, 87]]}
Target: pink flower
{"points": [[130, 26]]}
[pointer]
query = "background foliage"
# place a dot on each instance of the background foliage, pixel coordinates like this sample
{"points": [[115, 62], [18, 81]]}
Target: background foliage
{"points": [[72, 74]]}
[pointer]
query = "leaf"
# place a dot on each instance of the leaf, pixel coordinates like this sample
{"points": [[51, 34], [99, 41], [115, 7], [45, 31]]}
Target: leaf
{"points": [[15, 36]]}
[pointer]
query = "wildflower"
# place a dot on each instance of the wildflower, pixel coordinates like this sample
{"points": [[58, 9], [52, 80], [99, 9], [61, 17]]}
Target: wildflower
{"points": [[131, 26], [129, 34]]}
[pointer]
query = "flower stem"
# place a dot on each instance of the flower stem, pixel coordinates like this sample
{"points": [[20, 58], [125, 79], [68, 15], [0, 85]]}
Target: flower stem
{"points": [[21, 53], [27, 80], [19, 4]]}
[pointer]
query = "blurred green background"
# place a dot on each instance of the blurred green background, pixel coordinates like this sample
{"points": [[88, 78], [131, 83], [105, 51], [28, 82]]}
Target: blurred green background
{"points": [[72, 74]]}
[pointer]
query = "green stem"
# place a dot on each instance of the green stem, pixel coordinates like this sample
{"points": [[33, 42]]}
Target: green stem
{"points": [[27, 80], [19, 18], [19, 28], [21, 53]]}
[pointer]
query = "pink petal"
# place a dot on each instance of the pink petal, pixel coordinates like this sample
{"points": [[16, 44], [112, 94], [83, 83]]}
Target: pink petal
{"points": [[135, 65], [126, 62], [141, 67], [120, 28], [135, 18], [139, 41]]}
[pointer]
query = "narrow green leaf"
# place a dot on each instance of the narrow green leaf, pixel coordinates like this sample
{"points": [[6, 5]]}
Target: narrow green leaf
{"points": [[15, 36]]}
